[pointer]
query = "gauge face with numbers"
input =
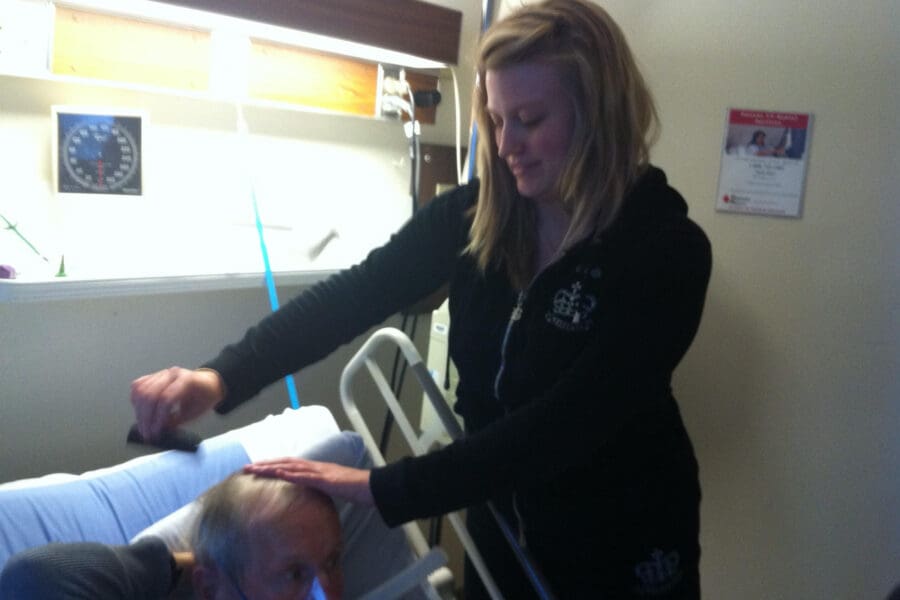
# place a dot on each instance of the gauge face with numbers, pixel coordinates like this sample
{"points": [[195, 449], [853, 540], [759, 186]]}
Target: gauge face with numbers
{"points": [[98, 154]]}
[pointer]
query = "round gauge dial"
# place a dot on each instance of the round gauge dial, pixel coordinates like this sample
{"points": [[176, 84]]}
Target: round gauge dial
{"points": [[99, 154]]}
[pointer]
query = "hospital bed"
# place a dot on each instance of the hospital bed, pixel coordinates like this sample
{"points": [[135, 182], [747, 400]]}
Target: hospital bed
{"points": [[156, 494]]}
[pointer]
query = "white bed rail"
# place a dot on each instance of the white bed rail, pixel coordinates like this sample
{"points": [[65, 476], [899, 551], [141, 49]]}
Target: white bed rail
{"points": [[421, 444]]}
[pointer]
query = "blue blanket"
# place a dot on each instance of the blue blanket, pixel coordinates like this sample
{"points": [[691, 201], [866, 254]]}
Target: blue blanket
{"points": [[114, 505]]}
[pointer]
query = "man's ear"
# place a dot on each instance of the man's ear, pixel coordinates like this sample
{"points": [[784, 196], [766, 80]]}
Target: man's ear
{"points": [[205, 581]]}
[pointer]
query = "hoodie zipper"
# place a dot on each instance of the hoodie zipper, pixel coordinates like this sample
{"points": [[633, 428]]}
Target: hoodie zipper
{"points": [[515, 316]]}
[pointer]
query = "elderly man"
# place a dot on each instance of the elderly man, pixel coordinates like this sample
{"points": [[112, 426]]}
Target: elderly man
{"points": [[255, 538]]}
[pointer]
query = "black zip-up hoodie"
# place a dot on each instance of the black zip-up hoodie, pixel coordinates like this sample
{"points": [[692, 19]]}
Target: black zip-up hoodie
{"points": [[573, 411]]}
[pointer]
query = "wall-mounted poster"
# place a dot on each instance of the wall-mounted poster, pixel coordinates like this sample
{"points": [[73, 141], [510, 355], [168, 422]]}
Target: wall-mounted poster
{"points": [[764, 158]]}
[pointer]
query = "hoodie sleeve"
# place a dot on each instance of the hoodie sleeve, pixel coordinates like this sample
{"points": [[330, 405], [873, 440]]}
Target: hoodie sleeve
{"points": [[415, 262]]}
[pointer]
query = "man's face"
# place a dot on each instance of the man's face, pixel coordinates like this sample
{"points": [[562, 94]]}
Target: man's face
{"points": [[287, 556]]}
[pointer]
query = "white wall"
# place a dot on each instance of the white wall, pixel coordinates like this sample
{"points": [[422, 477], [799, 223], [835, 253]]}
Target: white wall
{"points": [[66, 367], [791, 390], [196, 212], [311, 173]]}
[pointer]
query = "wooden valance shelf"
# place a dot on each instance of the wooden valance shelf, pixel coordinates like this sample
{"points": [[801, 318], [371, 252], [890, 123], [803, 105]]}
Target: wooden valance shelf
{"points": [[131, 51], [410, 26]]}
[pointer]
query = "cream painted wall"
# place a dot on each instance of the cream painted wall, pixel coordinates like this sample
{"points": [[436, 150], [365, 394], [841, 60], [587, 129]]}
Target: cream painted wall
{"points": [[791, 390]]}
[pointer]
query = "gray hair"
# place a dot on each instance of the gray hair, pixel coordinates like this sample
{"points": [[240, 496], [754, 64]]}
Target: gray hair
{"points": [[239, 505]]}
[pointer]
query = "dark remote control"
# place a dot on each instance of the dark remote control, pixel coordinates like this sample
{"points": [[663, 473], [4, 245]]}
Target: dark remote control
{"points": [[171, 439]]}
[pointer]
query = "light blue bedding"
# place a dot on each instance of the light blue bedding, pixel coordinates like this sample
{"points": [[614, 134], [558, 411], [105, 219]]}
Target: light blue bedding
{"points": [[112, 505], [142, 496]]}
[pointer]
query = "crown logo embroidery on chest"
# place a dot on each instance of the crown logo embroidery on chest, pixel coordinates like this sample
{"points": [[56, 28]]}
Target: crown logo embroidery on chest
{"points": [[659, 574], [572, 308]]}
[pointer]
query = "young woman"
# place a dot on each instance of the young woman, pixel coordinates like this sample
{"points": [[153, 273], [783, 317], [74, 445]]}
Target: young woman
{"points": [[576, 285]]}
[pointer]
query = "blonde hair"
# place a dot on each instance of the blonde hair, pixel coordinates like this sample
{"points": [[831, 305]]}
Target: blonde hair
{"points": [[615, 125]]}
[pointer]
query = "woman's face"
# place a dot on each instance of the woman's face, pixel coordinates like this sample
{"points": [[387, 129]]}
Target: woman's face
{"points": [[533, 117]]}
